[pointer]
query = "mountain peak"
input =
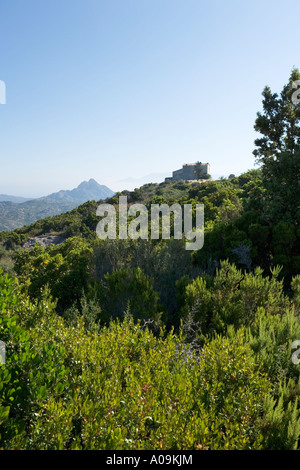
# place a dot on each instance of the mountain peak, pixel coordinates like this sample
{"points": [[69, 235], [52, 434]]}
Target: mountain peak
{"points": [[90, 183], [85, 191]]}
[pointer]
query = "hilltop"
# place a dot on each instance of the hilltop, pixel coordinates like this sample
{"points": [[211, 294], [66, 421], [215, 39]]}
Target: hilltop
{"points": [[152, 304]]}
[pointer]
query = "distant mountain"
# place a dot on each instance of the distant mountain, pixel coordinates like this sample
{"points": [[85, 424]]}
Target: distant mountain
{"points": [[17, 214], [86, 191], [17, 199]]}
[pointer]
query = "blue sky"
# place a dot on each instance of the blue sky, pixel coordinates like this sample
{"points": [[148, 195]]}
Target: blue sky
{"points": [[126, 91]]}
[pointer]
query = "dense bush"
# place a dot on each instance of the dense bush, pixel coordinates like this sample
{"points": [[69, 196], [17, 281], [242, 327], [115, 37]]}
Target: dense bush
{"points": [[231, 297], [63, 268], [72, 386], [123, 387]]}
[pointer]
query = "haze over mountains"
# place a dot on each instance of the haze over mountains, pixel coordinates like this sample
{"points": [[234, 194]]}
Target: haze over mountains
{"points": [[15, 212], [17, 199]]}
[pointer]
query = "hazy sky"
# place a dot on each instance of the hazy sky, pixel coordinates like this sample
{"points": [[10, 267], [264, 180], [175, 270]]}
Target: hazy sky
{"points": [[126, 91]]}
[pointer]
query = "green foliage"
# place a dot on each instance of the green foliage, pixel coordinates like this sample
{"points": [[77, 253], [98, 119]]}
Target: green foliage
{"points": [[279, 122], [232, 297], [280, 425], [295, 286], [133, 290], [87, 309], [271, 337], [281, 177], [199, 172], [164, 262], [232, 386], [64, 268], [64, 387], [30, 374]]}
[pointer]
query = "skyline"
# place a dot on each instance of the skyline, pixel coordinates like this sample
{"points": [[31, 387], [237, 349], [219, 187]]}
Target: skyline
{"points": [[124, 91]]}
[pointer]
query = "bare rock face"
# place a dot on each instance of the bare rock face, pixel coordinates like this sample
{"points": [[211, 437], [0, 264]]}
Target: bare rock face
{"points": [[44, 240]]}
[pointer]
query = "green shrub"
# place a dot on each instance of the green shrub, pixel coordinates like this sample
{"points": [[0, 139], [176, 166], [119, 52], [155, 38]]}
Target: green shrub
{"points": [[129, 289], [233, 297], [66, 387]]}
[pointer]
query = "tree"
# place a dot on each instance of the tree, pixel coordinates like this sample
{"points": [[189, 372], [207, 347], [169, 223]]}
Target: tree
{"points": [[199, 172], [279, 150], [279, 123], [281, 177]]}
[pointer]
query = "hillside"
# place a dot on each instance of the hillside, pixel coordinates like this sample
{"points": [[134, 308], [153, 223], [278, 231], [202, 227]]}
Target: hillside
{"points": [[82, 220], [140, 344]]}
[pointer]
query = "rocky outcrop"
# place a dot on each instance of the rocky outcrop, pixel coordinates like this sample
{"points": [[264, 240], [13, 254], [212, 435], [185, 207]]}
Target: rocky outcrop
{"points": [[44, 240]]}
